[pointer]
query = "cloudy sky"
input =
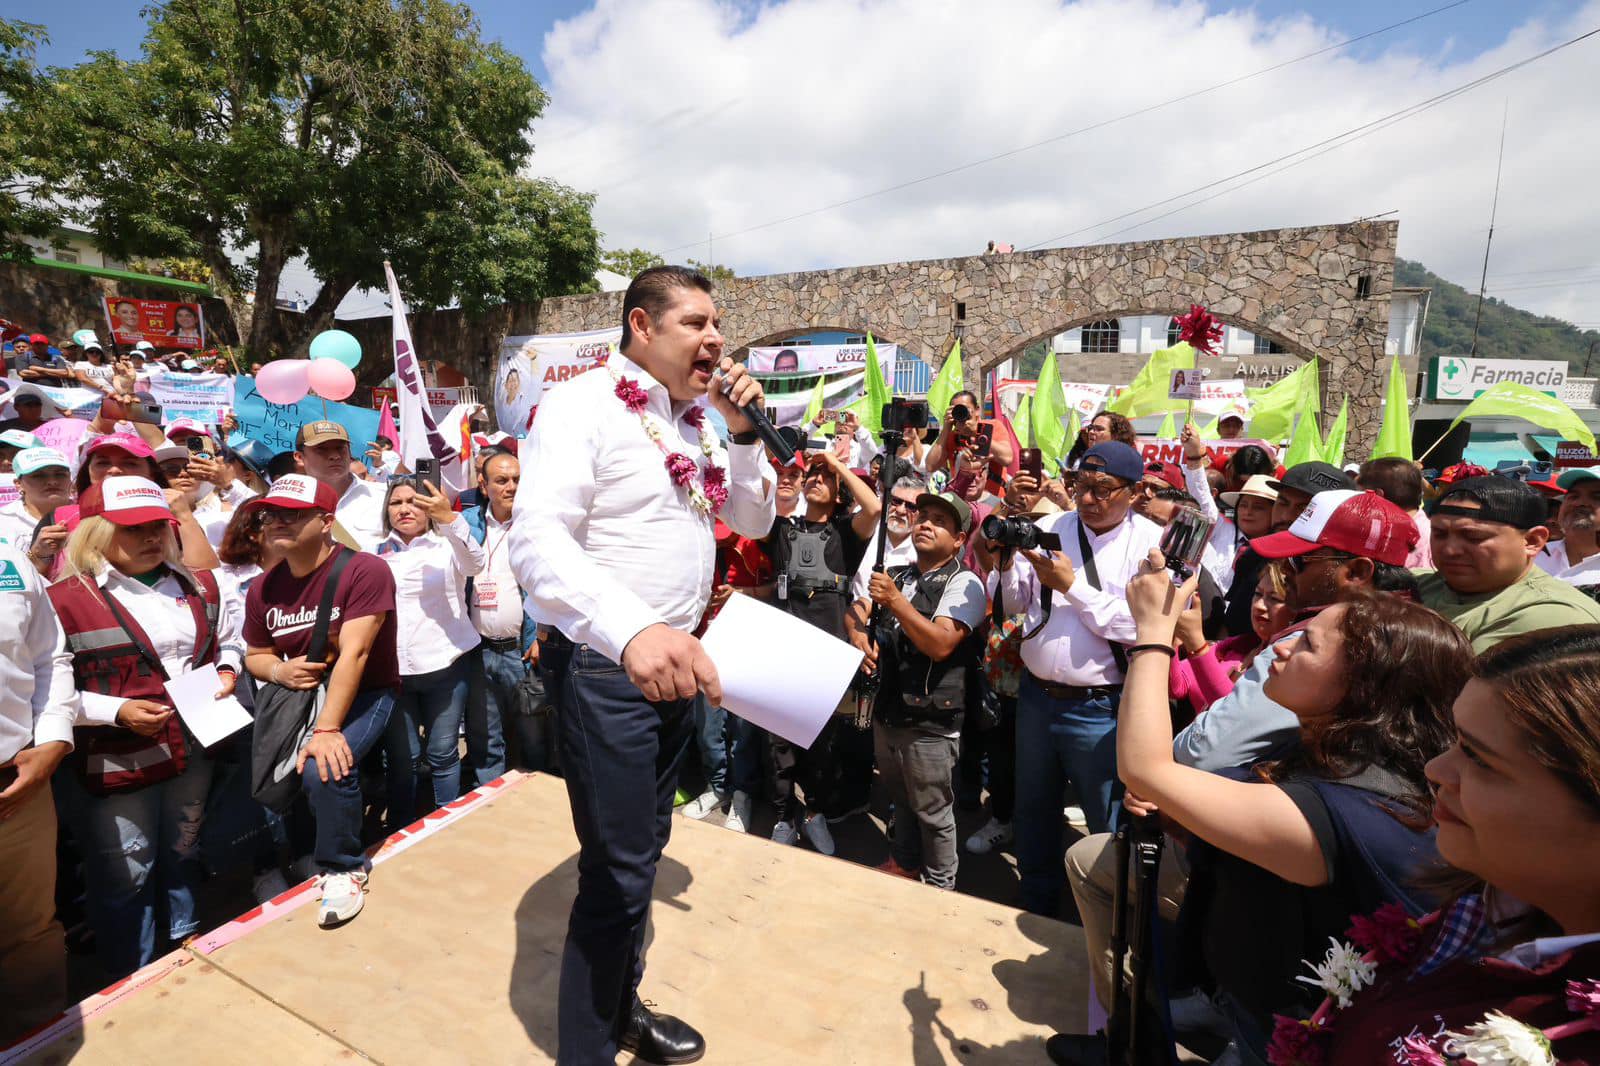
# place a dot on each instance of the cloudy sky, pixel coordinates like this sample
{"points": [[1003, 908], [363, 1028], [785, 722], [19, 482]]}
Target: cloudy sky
{"points": [[733, 129]]}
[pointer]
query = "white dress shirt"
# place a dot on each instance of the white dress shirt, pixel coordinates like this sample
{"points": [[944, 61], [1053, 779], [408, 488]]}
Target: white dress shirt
{"points": [[163, 612], [1074, 648], [430, 596], [496, 596], [602, 541], [894, 555], [1555, 561], [1552, 558], [17, 526], [360, 512], [38, 697]]}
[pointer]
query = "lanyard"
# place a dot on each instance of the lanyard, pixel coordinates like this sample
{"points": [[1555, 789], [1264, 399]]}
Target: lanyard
{"points": [[492, 548]]}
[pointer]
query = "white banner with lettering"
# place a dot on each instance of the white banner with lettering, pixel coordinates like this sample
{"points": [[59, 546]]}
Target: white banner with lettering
{"points": [[821, 359], [530, 364]]}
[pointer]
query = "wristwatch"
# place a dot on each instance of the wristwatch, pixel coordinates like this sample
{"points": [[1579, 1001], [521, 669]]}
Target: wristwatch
{"points": [[744, 438]]}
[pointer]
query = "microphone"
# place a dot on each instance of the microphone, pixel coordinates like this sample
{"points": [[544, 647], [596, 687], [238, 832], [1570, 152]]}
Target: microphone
{"points": [[782, 449]]}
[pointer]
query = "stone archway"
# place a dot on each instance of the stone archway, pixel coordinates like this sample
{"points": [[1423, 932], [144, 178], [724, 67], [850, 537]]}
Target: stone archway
{"points": [[1319, 290]]}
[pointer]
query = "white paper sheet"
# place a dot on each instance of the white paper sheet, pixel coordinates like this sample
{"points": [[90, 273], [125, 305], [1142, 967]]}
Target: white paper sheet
{"points": [[208, 718], [785, 675]]}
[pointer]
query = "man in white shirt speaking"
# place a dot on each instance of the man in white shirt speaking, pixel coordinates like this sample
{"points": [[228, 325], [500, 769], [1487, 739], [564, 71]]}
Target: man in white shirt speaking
{"points": [[613, 540]]}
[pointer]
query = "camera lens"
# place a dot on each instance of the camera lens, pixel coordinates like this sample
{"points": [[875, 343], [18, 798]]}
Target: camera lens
{"points": [[960, 412]]}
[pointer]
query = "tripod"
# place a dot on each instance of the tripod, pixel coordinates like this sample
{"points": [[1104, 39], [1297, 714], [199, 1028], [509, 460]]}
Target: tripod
{"points": [[1131, 1035]]}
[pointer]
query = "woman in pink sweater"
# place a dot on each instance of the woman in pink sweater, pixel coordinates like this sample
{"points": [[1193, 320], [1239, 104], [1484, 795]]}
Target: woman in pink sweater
{"points": [[1207, 671]]}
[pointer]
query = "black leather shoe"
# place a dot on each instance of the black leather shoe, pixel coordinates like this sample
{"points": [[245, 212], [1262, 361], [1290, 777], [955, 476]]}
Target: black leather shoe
{"points": [[660, 1038], [1076, 1049]]}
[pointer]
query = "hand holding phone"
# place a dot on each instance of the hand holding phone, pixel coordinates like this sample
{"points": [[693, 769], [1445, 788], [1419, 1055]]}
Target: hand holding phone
{"points": [[1031, 462]]}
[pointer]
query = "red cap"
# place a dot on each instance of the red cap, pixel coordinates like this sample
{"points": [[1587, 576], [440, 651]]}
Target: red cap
{"points": [[39, 338], [1361, 523], [126, 501], [1171, 473], [1460, 472], [298, 492]]}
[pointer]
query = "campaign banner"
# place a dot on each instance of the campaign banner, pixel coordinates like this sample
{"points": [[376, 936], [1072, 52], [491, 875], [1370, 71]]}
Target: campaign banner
{"points": [[1087, 399], [788, 408], [1165, 450], [9, 493], [1571, 453], [65, 435], [275, 424], [530, 364], [441, 400], [204, 397], [163, 323], [821, 359], [74, 401]]}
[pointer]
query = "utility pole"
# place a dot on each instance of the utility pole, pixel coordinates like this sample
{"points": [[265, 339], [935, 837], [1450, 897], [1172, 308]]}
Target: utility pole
{"points": [[1483, 281]]}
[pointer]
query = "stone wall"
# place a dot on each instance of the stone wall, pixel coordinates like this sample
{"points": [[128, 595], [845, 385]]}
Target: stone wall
{"points": [[59, 302], [1319, 290]]}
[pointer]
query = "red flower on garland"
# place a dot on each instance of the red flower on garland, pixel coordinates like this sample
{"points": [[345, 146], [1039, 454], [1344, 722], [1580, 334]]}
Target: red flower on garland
{"points": [[1389, 933], [1294, 1043], [695, 416], [680, 468], [716, 482], [632, 396], [1200, 330]]}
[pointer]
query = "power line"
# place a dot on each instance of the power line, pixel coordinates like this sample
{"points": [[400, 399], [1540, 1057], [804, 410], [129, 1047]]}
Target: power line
{"points": [[1074, 133], [1319, 148]]}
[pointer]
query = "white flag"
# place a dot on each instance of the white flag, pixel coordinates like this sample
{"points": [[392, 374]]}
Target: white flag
{"points": [[420, 437]]}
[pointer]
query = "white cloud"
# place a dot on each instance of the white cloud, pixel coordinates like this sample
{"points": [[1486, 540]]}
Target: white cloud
{"points": [[691, 117]]}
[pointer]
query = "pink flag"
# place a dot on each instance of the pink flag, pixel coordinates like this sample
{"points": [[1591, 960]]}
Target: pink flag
{"points": [[386, 426]]}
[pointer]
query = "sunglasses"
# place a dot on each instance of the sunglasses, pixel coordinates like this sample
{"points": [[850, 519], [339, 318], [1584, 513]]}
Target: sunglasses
{"points": [[904, 505], [1298, 564]]}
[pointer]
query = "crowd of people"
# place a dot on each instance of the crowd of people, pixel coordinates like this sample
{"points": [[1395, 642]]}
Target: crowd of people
{"points": [[1369, 714]]}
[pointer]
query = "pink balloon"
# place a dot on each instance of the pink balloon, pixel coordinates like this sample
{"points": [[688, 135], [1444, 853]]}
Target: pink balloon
{"points": [[331, 379], [284, 381]]}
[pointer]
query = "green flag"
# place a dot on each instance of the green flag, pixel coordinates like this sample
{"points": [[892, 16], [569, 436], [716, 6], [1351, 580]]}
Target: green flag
{"points": [[1333, 446], [1049, 411], [1510, 399], [869, 408], [1022, 424], [1168, 430], [1394, 436], [1274, 407], [814, 408], [1305, 445], [1074, 431], [945, 386], [1148, 394]]}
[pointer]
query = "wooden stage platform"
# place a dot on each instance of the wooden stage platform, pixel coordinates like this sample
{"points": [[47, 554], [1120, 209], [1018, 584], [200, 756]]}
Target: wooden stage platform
{"points": [[777, 954]]}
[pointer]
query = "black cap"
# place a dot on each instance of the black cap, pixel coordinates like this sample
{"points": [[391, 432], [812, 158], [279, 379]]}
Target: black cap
{"points": [[1312, 478], [1500, 499]]}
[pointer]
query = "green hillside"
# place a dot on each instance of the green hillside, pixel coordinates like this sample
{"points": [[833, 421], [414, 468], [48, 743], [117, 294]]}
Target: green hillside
{"points": [[1506, 332]]}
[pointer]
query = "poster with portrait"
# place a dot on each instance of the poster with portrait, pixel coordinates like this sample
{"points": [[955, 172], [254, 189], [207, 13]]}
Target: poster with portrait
{"points": [[827, 359], [162, 323], [530, 364]]}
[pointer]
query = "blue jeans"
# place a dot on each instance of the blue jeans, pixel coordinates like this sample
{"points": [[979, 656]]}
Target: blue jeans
{"points": [[621, 755], [1060, 741], [336, 805], [495, 713], [746, 747], [433, 704], [730, 749], [135, 845]]}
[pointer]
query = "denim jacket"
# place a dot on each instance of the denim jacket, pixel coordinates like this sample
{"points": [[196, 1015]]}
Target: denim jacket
{"points": [[478, 524]]}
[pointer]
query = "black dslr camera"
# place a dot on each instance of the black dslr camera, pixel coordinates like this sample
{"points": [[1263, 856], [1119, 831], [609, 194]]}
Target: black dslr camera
{"points": [[905, 416], [1019, 533]]}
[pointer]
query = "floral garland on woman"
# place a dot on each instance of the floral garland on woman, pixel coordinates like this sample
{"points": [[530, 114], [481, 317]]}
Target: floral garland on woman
{"points": [[1391, 936], [711, 493]]}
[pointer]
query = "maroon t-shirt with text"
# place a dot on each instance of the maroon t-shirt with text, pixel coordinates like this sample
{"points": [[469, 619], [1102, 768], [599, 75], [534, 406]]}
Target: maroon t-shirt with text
{"points": [[281, 611]]}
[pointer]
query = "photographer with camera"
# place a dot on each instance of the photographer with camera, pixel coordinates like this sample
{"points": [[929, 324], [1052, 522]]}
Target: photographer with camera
{"points": [[967, 442], [1077, 622], [814, 556], [925, 646]]}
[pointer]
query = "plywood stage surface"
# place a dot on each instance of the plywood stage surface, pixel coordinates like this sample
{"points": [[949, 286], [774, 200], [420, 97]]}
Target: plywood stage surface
{"points": [[777, 955]]}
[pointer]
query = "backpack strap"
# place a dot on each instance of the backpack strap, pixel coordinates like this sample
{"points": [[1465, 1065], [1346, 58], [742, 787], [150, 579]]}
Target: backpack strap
{"points": [[317, 650]]}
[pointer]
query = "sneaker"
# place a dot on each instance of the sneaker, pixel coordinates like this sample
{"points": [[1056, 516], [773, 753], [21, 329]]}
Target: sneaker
{"points": [[705, 803], [739, 812], [785, 832], [816, 828], [892, 867], [851, 813], [1076, 819], [991, 836], [342, 897]]}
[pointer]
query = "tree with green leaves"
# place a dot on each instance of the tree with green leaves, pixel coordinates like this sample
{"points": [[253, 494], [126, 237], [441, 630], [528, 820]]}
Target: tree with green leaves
{"points": [[346, 131], [719, 274], [21, 214], [629, 262]]}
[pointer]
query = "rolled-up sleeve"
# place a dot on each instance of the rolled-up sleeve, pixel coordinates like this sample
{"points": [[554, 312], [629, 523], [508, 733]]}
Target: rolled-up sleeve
{"points": [[752, 504], [563, 584]]}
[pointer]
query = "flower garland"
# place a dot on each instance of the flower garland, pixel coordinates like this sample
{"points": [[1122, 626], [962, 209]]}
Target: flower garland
{"points": [[709, 496], [1392, 936]]}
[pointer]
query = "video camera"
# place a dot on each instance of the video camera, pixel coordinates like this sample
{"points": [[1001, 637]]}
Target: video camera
{"points": [[1019, 533], [905, 416]]}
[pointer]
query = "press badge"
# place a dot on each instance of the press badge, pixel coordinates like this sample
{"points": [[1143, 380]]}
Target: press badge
{"points": [[487, 594], [10, 580]]}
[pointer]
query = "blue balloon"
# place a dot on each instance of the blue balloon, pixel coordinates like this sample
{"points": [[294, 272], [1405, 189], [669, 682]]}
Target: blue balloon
{"points": [[339, 345]]}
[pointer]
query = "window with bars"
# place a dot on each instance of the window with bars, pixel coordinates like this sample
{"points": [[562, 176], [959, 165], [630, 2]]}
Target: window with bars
{"points": [[1263, 346], [1174, 332], [1103, 336]]}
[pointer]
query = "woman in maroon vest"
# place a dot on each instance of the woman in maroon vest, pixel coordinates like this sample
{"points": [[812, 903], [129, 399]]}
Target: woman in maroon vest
{"points": [[1514, 961], [134, 789]]}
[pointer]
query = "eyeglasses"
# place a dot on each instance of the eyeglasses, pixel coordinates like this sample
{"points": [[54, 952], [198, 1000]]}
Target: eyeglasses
{"points": [[1298, 564], [1100, 490]]}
